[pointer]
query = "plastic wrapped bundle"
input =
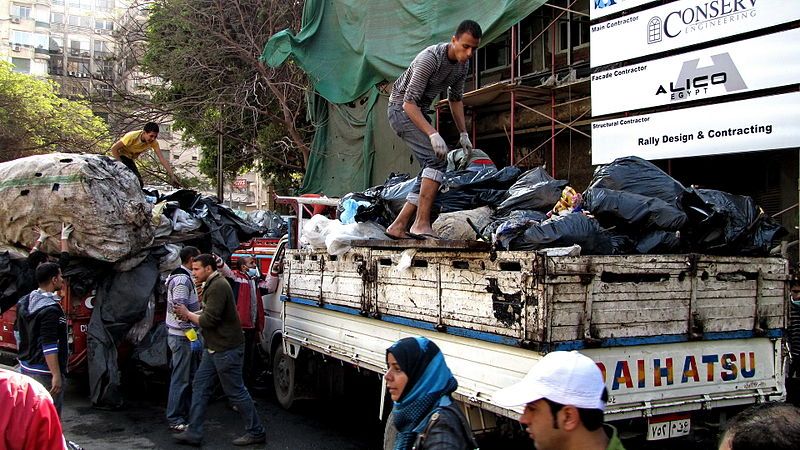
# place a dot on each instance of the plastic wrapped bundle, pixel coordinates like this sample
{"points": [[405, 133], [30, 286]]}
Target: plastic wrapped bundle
{"points": [[99, 196]]}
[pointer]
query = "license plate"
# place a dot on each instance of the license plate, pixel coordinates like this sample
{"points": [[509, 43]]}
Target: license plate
{"points": [[665, 427]]}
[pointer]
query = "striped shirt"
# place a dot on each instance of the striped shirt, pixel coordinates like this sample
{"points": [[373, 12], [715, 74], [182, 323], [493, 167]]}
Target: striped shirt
{"points": [[429, 75], [794, 332]]}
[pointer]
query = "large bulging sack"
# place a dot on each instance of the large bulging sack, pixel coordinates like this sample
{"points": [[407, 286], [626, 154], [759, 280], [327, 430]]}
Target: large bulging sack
{"points": [[99, 196]]}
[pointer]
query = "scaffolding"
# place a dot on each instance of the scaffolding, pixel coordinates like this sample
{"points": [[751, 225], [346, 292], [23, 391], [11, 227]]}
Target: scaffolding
{"points": [[511, 94]]}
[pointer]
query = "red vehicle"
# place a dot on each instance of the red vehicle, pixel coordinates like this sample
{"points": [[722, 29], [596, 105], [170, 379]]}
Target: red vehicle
{"points": [[78, 310]]}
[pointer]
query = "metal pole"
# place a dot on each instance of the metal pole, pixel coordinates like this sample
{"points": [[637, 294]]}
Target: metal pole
{"points": [[513, 90], [220, 177]]}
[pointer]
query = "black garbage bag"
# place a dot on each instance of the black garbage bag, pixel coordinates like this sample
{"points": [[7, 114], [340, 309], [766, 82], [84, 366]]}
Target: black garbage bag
{"points": [[659, 242], [152, 351], [632, 211], [566, 230], [16, 280], [635, 175], [504, 229], [483, 179], [393, 196], [535, 190], [726, 223], [121, 301]]}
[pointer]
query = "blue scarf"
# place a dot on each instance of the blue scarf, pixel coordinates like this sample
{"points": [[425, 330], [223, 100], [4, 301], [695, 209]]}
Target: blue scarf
{"points": [[429, 380]]}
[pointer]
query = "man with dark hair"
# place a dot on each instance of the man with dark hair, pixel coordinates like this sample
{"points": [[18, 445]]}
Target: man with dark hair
{"points": [[42, 325], [222, 357], [564, 397], [768, 426], [434, 70], [128, 148], [182, 340]]}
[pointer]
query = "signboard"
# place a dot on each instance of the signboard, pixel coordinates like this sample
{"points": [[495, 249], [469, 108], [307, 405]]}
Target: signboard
{"points": [[240, 183], [686, 22], [602, 8], [762, 123], [759, 63]]}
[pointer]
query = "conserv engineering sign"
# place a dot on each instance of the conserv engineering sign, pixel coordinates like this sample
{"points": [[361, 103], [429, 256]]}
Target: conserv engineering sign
{"points": [[759, 63], [762, 123], [682, 23]]}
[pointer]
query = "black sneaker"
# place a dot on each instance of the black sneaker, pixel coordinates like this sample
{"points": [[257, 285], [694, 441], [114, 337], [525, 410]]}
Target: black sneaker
{"points": [[249, 439], [187, 439]]}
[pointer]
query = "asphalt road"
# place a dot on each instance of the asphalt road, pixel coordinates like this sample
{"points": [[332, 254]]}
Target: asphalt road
{"points": [[141, 424]]}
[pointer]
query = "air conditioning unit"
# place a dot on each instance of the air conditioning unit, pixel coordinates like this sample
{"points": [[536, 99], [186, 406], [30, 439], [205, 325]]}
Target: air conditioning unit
{"points": [[16, 48], [15, 20], [71, 73], [98, 32], [85, 54]]}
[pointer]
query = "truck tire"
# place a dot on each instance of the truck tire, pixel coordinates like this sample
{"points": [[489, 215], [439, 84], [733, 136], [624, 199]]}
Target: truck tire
{"points": [[283, 378]]}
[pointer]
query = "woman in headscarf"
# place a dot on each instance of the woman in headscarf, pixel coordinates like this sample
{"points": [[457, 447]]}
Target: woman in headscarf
{"points": [[424, 414]]}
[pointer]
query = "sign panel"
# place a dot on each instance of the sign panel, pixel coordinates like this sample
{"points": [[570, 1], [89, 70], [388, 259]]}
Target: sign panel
{"points": [[762, 123], [602, 8], [759, 63], [686, 22]]}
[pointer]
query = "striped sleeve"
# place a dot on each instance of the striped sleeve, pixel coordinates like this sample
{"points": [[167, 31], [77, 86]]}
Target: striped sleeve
{"points": [[424, 67], [49, 349]]}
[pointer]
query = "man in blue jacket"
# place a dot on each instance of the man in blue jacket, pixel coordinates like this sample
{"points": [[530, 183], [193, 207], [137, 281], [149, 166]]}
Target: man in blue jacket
{"points": [[42, 326]]}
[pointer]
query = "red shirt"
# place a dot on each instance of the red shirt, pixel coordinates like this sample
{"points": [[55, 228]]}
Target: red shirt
{"points": [[27, 415]]}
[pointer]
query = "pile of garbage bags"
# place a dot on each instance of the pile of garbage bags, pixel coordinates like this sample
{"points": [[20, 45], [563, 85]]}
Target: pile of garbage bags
{"points": [[125, 243], [630, 207]]}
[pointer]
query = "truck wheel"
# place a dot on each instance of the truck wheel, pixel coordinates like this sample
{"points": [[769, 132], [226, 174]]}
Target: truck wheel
{"points": [[283, 378]]}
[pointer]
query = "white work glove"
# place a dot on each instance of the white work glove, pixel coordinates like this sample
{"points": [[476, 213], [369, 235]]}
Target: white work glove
{"points": [[66, 230], [42, 234], [464, 141], [439, 145]]}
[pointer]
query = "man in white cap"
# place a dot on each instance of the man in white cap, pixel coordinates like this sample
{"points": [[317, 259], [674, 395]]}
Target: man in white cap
{"points": [[564, 397]]}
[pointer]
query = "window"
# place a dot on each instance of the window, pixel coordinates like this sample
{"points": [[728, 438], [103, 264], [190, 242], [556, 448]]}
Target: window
{"points": [[101, 24], [55, 66], [174, 156], [496, 54], [21, 65], [194, 158], [56, 18], [77, 67], [104, 69], [27, 39], [104, 5], [573, 29], [79, 48], [58, 2], [23, 12], [102, 49]]}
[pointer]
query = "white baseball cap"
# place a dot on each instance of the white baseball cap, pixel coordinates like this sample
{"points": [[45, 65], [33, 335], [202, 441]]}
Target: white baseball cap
{"points": [[569, 378]]}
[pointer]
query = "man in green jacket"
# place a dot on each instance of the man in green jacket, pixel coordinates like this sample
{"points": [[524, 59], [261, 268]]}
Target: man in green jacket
{"points": [[564, 396], [222, 356]]}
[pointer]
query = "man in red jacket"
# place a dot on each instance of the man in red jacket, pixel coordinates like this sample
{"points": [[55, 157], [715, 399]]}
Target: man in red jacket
{"points": [[28, 417]]}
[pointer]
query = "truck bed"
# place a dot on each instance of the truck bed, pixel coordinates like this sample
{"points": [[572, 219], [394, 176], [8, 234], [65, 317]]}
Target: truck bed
{"points": [[528, 300]]}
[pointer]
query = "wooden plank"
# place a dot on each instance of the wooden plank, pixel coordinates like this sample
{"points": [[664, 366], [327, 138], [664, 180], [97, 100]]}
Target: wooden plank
{"points": [[434, 244]]}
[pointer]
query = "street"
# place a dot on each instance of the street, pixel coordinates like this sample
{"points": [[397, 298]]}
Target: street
{"points": [[141, 424]]}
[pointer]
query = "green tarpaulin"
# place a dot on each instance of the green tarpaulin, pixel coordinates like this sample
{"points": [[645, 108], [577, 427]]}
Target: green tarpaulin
{"points": [[347, 47]]}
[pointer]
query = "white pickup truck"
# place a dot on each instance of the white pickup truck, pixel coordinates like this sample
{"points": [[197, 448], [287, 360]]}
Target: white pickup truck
{"points": [[673, 334]]}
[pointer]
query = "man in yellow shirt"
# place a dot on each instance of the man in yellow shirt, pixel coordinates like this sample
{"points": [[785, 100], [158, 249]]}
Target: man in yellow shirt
{"points": [[133, 144]]}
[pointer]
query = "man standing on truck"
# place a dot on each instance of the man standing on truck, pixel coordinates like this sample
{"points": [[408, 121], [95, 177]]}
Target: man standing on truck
{"points": [[182, 340], [564, 397], [222, 356], [42, 326], [128, 148], [434, 70]]}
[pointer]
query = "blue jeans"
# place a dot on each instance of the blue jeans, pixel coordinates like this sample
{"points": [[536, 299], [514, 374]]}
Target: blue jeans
{"points": [[47, 382], [184, 364], [227, 365], [420, 145]]}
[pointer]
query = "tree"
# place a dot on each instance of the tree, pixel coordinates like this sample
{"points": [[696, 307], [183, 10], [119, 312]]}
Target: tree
{"points": [[207, 53], [34, 119]]}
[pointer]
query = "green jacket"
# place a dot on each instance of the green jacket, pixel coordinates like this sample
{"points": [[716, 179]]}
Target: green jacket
{"points": [[613, 439], [219, 320]]}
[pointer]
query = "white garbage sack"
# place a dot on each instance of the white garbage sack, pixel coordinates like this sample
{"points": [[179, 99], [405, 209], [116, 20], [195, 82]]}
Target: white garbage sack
{"points": [[453, 225], [99, 196], [336, 237]]}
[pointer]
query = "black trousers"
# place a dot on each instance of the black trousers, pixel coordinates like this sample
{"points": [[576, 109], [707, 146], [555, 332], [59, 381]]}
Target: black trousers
{"points": [[131, 164]]}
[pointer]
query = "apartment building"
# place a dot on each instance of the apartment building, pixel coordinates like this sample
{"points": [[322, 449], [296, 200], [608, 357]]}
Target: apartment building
{"points": [[25, 35]]}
